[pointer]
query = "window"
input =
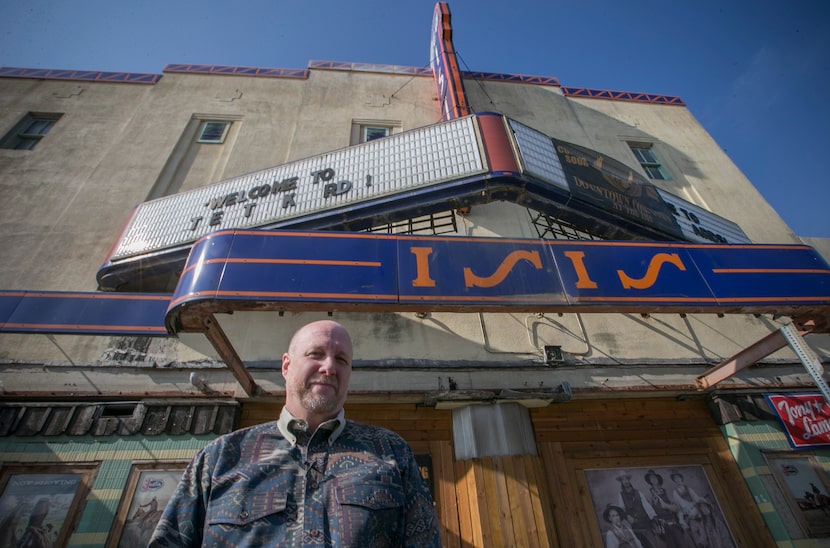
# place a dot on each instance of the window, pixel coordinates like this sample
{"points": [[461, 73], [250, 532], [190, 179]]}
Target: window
{"points": [[370, 133], [213, 132], [649, 161], [364, 131], [29, 131]]}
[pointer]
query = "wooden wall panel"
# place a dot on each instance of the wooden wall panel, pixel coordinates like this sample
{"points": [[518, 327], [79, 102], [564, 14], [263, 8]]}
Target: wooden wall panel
{"points": [[584, 435], [543, 500], [507, 502], [467, 505]]}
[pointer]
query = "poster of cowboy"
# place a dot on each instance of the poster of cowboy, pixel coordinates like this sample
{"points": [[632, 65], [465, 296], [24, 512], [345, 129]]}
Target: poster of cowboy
{"points": [[36, 509], [657, 507], [149, 488]]}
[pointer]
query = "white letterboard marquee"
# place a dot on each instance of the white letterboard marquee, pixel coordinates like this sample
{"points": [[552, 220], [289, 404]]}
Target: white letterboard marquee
{"points": [[406, 161], [399, 165]]}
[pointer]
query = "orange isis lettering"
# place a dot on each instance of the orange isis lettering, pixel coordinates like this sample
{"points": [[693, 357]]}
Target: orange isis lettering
{"points": [[471, 280], [652, 272], [583, 281], [422, 267]]}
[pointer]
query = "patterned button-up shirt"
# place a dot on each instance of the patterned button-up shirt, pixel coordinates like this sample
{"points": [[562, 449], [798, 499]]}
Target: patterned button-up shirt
{"points": [[274, 484]]}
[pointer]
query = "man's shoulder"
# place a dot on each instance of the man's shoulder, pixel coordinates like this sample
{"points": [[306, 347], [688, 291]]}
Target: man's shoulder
{"points": [[250, 432], [369, 428], [367, 431]]}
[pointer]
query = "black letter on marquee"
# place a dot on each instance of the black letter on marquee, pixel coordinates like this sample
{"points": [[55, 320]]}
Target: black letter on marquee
{"points": [[216, 218], [322, 175]]}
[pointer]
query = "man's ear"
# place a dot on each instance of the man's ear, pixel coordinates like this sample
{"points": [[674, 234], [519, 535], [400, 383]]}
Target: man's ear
{"points": [[286, 359]]}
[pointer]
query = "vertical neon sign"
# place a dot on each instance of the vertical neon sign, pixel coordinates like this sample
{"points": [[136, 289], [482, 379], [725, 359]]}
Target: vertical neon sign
{"points": [[445, 66]]}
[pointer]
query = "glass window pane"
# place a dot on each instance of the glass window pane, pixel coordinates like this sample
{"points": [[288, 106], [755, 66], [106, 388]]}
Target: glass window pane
{"points": [[648, 160], [654, 172], [39, 127], [26, 144], [645, 155], [213, 132], [370, 133]]}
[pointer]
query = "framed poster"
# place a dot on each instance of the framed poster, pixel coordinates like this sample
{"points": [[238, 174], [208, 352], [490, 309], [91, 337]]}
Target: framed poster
{"points": [[657, 506], [805, 488], [149, 488], [39, 505]]}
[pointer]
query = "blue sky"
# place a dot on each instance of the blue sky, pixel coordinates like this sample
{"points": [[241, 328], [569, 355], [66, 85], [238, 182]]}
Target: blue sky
{"points": [[756, 74]]}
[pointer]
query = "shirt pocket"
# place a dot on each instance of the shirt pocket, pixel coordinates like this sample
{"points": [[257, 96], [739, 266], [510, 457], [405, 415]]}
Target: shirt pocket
{"points": [[371, 495], [371, 513], [243, 511]]}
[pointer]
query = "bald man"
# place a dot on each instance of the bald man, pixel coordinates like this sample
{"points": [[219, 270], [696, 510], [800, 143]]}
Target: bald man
{"points": [[311, 478]]}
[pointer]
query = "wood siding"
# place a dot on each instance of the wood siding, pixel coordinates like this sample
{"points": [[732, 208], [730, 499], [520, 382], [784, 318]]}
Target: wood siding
{"points": [[543, 500], [633, 433]]}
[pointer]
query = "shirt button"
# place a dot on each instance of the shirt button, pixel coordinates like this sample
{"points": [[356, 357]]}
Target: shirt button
{"points": [[243, 514]]}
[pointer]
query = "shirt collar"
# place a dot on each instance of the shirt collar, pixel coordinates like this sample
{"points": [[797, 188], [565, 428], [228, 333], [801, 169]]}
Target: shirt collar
{"points": [[288, 424]]}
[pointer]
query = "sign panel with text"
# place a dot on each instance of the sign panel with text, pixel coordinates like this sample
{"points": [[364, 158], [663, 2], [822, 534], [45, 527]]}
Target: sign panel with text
{"points": [[350, 271], [805, 418]]}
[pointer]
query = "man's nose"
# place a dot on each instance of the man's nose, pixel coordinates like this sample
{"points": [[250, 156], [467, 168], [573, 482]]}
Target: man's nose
{"points": [[328, 365]]}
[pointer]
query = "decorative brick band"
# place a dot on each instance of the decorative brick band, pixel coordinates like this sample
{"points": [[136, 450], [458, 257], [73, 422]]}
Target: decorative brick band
{"points": [[238, 71], [623, 96], [146, 78], [83, 75], [517, 78], [370, 67]]}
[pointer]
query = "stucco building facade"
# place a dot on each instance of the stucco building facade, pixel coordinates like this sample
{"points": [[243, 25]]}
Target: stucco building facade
{"points": [[527, 415]]}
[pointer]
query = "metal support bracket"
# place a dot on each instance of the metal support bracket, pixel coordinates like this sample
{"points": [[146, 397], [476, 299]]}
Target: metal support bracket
{"points": [[778, 339], [220, 341], [808, 358]]}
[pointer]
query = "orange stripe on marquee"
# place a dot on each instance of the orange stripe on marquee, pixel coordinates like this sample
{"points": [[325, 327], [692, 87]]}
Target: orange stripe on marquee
{"points": [[770, 271], [283, 233], [102, 296], [476, 298], [645, 299], [301, 295], [819, 299], [276, 294], [670, 300], [315, 262], [318, 262], [76, 327]]}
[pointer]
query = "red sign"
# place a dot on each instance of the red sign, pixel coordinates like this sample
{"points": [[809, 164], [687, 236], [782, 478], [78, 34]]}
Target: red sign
{"points": [[805, 417]]}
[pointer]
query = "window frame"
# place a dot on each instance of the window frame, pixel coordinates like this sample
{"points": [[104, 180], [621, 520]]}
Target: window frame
{"points": [[361, 127], [804, 519], [651, 165], [20, 134], [364, 132], [200, 136]]}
